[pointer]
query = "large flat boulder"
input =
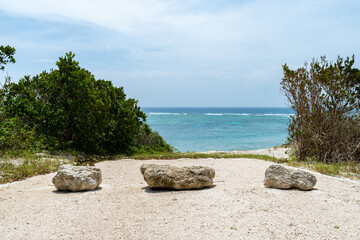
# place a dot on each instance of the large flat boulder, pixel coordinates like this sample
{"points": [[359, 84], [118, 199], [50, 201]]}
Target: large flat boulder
{"points": [[77, 178], [277, 176], [169, 177]]}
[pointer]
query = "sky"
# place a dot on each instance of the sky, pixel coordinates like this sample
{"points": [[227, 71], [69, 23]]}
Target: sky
{"points": [[182, 53]]}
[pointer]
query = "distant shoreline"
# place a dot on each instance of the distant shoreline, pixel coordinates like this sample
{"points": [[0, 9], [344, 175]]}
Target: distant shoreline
{"points": [[278, 152]]}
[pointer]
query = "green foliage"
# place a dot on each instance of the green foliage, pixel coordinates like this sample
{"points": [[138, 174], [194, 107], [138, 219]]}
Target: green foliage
{"points": [[16, 135], [325, 98], [148, 141], [6, 56], [70, 109]]}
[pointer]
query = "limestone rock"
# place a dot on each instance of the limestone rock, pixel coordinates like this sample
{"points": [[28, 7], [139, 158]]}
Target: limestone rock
{"points": [[77, 178], [169, 177], [277, 176]]}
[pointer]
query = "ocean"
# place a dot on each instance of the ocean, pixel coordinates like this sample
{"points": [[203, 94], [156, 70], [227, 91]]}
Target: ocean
{"points": [[221, 129]]}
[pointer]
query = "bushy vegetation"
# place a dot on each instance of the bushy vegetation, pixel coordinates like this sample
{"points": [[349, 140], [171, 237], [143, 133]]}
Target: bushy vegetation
{"points": [[148, 141], [325, 99], [68, 109]]}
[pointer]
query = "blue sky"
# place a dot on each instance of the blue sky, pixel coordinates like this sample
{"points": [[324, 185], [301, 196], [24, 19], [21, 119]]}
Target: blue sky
{"points": [[188, 53]]}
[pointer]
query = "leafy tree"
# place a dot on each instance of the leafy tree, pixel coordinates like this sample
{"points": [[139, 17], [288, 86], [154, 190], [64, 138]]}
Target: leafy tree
{"points": [[69, 108], [6, 56], [326, 101], [14, 134]]}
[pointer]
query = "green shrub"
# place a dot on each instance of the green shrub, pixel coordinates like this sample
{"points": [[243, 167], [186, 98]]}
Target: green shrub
{"points": [[149, 141], [70, 109], [326, 102]]}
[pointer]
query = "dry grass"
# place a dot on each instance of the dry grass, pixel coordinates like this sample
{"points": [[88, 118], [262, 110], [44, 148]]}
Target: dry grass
{"points": [[348, 170], [16, 166]]}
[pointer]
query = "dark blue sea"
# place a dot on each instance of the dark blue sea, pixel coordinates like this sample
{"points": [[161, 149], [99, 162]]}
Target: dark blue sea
{"points": [[222, 129]]}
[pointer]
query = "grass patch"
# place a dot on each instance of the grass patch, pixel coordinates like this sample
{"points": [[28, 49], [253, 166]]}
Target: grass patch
{"points": [[17, 166], [30, 167], [348, 170]]}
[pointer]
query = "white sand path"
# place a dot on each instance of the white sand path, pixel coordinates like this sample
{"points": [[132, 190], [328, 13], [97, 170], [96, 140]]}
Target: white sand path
{"points": [[237, 207]]}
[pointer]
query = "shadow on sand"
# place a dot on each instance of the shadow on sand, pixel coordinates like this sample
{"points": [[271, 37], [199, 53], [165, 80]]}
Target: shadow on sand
{"points": [[292, 189], [161, 190], [70, 192]]}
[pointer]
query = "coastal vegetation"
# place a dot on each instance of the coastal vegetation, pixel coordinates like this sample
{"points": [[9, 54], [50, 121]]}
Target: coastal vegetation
{"points": [[67, 110], [65, 115], [325, 98]]}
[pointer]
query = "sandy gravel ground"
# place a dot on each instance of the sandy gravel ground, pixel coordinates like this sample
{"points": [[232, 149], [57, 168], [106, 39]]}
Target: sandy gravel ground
{"points": [[237, 207], [277, 152]]}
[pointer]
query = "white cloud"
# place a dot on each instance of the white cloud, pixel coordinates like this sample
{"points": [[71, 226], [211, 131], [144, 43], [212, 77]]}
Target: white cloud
{"points": [[119, 15], [191, 40], [174, 23]]}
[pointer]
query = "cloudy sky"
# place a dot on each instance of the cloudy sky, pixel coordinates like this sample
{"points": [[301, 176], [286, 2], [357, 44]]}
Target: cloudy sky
{"points": [[190, 53]]}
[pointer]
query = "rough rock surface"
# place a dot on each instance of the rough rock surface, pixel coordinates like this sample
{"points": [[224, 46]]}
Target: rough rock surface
{"points": [[77, 178], [169, 177], [277, 176]]}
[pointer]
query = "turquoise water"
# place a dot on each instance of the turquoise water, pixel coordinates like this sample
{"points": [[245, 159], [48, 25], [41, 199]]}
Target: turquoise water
{"points": [[222, 129]]}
